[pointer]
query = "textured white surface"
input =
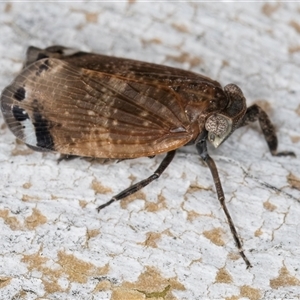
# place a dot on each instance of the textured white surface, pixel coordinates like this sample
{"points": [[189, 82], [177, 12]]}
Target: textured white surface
{"points": [[54, 245]]}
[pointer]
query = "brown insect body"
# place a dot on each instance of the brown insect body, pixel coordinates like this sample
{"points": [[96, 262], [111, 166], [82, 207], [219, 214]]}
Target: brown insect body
{"points": [[91, 105], [101, 106]]}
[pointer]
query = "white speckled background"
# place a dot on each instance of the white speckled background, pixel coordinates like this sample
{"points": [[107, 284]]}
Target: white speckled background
{"points": [[171, 241]]}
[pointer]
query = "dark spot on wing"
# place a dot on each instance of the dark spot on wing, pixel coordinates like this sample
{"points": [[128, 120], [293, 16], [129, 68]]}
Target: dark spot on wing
{"points": [[36, 105], [56, 49], [41, 56], [42, 129], [19, 113], [43, 67], [19, 94], [78, 54]]}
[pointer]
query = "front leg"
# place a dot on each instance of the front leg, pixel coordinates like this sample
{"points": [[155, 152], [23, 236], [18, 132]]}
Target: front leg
{"points": [[202, 150], [254, 113]]}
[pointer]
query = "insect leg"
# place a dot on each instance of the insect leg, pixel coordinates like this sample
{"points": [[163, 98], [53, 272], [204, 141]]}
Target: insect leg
{"points": [[66, 157], [254, 113], [202, 150], [139, 185]]}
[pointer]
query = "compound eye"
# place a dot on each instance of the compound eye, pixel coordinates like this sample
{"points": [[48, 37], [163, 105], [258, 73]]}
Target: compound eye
{"points": [[217, 124], [219, 128]]}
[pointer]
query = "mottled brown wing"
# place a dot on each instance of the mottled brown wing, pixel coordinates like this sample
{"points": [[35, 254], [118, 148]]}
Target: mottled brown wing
{"points": [[55, 105], [141, 71]]}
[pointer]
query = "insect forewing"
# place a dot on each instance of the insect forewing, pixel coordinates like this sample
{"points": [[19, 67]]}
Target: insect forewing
{"points": [[55, 105], [86, 104]]}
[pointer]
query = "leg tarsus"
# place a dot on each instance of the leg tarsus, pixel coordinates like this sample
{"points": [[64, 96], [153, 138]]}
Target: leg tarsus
{"points": [[284, 153], [106, 204], [139, 185], [66, 157]]}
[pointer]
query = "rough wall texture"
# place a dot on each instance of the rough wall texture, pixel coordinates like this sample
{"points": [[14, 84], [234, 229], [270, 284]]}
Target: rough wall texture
{"points": [[171, 240]]}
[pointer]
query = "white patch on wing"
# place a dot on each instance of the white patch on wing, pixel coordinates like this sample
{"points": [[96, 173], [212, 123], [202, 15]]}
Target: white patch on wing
{"points": [[178, 129], [69, 51], [29, 133]]}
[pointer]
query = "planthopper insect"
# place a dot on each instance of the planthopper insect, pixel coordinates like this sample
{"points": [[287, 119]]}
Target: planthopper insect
{"points": [[91, 105]]}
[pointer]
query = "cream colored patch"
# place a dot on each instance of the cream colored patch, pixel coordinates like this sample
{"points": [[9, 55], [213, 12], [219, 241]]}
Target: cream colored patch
{"points": [[93, 233], [27, 198], [138, 195], [295, 139], [249, 292], [295, 25], [4, 281], [155, 41], [115, 83], [258, 232], [77, 269], [67, 265], [37, 262], [132, 177], [195, 187], [27, 185], [99, 188], [246, 292], [91, 17], [83, 203], [91, 113], [192, 215], [268, 9], [153, 237], [102, 286], [232, 298], [23, 150], [186, 57], [180, 27], [150, 285], [223, 276], [7, 7], [294, 49], [234, 256], [126, 294], [269, 206], [35, 219], [294, 181], [215, 236], [10, 221], [159, 205], [144, 113], [284, 279]]}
